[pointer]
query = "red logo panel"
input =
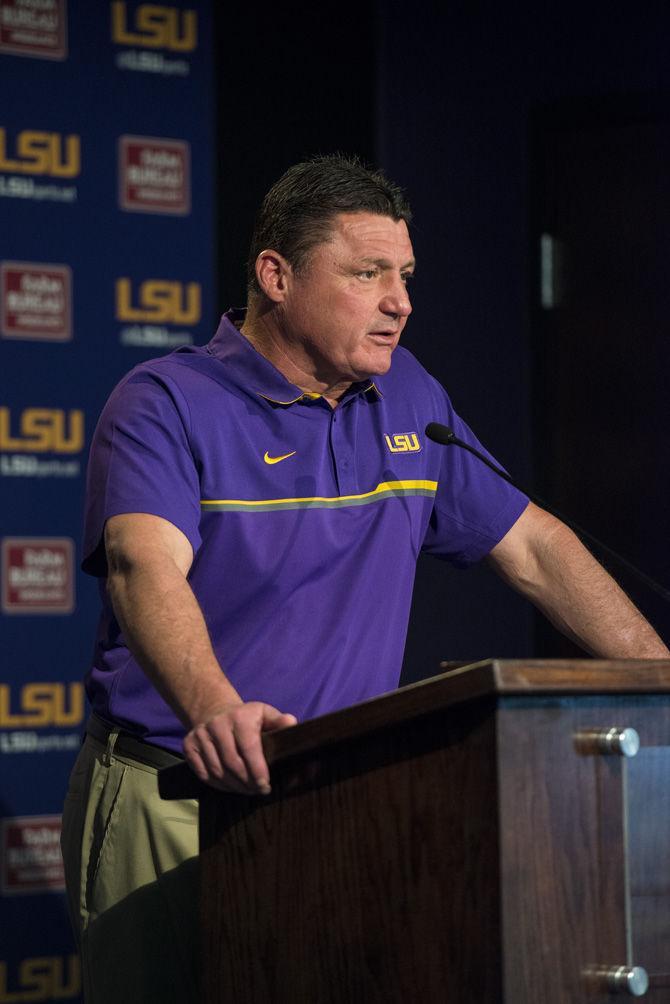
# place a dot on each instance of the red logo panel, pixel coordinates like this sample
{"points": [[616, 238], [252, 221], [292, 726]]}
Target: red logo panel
{"points": [[34, 29], [35, 301], [31, 856], [154, 175], [37, 575]]}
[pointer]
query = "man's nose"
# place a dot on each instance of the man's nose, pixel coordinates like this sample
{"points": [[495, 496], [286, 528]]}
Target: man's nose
{"points": [[396, 300]]}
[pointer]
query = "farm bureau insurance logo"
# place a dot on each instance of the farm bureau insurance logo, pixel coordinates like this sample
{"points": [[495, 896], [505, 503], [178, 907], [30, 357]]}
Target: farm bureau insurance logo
{"points": [[41, 979], [34, 28], [37, 575], [153, 31], [26, 435], [154, 175], [48, 705], [35, 301], [31, 857], [33, 153], [152, 306]]}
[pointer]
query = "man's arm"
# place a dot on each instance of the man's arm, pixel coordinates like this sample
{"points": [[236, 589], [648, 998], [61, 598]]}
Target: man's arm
{"points": [[544, 560], [148, 560]]}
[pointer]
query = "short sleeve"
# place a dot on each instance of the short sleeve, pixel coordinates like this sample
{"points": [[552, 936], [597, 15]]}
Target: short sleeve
{"points": [[474, 508], [141, 461]]}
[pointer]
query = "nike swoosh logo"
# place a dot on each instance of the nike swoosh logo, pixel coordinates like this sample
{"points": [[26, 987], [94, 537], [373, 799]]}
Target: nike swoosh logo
{"points": [[275, 460]]}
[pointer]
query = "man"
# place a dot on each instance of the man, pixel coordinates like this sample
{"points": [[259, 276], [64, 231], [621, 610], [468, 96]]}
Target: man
{"points": [[255, 511]]}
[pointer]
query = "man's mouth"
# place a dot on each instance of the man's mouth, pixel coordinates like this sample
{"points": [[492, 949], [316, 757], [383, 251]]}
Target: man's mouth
{"points": [[383, 336]]}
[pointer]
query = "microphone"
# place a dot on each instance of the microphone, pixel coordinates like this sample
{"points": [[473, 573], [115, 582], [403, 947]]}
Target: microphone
{"points": [[445, 436]]}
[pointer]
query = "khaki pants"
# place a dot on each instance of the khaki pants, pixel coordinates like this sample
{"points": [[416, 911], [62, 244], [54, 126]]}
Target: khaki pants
{"points": [[131, 873]]}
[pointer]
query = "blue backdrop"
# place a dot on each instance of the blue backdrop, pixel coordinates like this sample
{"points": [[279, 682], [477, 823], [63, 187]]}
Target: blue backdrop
{"points": [[106, 258]]}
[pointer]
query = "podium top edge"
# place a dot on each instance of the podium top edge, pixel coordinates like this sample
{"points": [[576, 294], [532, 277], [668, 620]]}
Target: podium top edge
{"points": [[571, 675], [463, 682], [459, 683]]}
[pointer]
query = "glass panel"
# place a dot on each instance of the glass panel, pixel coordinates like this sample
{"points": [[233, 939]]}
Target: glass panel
{"points": [[648, 804]]}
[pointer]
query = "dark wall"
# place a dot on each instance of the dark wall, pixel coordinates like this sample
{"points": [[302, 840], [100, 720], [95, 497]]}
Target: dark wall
{"points": [[294, 81], [458, 84]]}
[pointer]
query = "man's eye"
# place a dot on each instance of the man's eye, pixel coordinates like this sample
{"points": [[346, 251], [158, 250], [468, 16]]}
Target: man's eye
{"points": [[407, 277], [369, 273]]}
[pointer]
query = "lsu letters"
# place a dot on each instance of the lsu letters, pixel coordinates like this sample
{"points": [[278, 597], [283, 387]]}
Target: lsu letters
{"points": [[156, 27], [42, 705], [41, 153], [45, 978], [43, 430], [159, 301]]}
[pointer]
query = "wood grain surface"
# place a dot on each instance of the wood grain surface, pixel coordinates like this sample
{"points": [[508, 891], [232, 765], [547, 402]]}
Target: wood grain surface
{"points": [[370, 875], [452, 842]]}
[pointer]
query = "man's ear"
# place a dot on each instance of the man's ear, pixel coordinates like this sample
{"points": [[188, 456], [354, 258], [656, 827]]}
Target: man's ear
{"points": [[272, 274]]}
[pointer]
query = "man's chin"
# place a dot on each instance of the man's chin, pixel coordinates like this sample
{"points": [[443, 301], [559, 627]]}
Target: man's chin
{"points": [[374, 364], [379, 363]]}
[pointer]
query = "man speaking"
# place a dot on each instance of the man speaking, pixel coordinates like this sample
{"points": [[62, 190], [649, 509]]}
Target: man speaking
{"points": [[255, 511]]}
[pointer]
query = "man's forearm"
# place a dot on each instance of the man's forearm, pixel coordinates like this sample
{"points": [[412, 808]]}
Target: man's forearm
{"points": [[164, 628], [557, 573], [149, 560], [593, 610]]}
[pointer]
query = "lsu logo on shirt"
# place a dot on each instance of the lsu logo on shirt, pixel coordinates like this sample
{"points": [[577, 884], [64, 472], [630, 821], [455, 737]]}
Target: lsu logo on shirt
{"points": [[44, 978], [403, 442], [43, 430], [41, 705], [156, 27], [159, 301], [41, 153]]}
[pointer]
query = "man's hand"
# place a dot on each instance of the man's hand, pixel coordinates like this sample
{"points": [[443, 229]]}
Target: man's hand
{"points": [[226, 751]]}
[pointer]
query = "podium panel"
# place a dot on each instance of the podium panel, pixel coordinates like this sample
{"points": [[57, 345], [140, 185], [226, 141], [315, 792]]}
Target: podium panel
{"points": [[493, 834]]}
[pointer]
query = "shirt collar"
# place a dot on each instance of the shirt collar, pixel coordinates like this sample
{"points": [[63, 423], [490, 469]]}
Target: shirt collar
{"points": [[253, 371]]}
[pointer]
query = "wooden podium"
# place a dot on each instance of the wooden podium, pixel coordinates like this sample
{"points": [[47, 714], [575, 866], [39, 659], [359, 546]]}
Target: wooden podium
{"points": [[488, 835]]}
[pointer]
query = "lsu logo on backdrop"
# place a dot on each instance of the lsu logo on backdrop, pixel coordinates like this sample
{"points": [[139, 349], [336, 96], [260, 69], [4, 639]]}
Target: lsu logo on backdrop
{"points": [[159, 301], [152, 26], [40, 979], [403, 442], [31, 857], [53, 707], [34, 28], [26, 435], [35, 301], [154, 175], [37, 575], [42, 706], [42, 430], [34, 152]]}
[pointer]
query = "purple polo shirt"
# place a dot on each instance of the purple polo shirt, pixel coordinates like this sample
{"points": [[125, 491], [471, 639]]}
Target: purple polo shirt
{"points": [[305, 522]]}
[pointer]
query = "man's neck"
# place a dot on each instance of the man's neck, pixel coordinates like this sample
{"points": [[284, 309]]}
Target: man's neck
{"points": [[261, 329]]}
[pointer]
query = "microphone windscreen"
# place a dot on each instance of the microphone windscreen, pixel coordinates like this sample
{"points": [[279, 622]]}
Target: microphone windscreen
{"points": [[440, 433]]}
